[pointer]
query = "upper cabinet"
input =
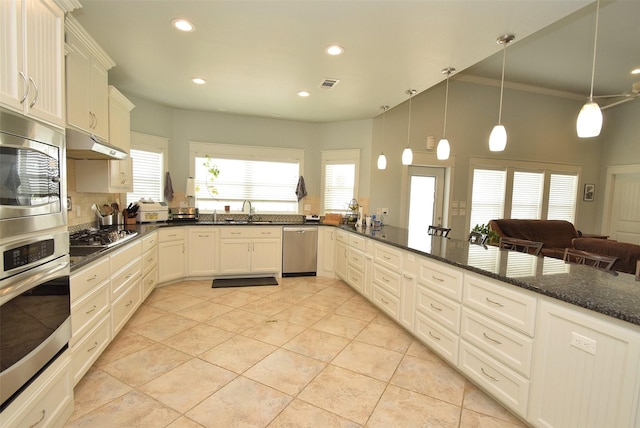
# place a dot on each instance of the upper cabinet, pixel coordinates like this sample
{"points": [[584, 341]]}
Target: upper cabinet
{"points": [[87, 82], [32, 52], [119, 119]]}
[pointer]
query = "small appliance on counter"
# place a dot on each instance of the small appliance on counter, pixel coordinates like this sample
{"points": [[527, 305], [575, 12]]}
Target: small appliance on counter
{"points": [[312, 218], [184, 214], [150, 211]]}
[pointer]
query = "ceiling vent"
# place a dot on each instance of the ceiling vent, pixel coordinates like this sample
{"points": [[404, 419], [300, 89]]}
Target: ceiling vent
{"points": [[328, 83]]}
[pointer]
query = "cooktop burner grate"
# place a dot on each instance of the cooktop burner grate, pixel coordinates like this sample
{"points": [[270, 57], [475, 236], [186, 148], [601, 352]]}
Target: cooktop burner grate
{"points": [[100, 237]]}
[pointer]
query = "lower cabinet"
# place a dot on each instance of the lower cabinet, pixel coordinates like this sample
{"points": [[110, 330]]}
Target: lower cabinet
{"points": [[202, 251], [341, 260], [171, 254], [250, 250]]}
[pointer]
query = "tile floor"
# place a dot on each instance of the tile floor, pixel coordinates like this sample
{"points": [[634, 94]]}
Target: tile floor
{"points": [[307, 353]]}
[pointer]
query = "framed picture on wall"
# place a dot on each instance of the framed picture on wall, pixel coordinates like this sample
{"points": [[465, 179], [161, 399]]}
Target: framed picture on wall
{"points": [[589, 191]]}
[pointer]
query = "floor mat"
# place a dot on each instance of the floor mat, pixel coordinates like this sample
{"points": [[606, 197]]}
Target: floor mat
{"points": [[243, 282]]}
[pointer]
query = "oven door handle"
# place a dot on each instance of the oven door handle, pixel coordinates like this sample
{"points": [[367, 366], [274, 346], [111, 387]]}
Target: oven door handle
{"points": [[26, 280]]}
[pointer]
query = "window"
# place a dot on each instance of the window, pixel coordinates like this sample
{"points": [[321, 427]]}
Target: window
{"points": [[339, 179], [149, 156], [523, 190], [267, 177]]}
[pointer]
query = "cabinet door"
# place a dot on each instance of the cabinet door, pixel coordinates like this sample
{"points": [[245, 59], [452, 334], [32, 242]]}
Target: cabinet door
{"points": [[235, 256], [202, 251], [266, 255], [13, 84], [78, 85], [99, 100], [121, 176], [341, 260], [171, 261], [326, 251]]}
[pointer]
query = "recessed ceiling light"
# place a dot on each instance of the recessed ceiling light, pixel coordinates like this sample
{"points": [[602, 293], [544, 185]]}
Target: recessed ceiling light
{"points": [[304, 94], [198, 81], [334, 50], [182, 25], [635, 70]]}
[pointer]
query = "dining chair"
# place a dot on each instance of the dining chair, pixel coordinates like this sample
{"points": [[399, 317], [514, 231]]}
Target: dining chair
{"points": [[478, 238], [438, 231], [580, 257], [521, 245]]}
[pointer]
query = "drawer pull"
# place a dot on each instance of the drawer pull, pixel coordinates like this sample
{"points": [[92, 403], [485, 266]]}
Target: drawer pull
{"points": [[385, 279], [91, 310], [128, 276], [434, 336], [386, 258], [95, 345], [172, 235], [92, 278], [203, 236], [384, 301], [236, 233], [129, 303], [437, 279], [265, 233], [39, 420], [495, 379], [494, 302], [435, 307], [491, 338], [150, 259]]}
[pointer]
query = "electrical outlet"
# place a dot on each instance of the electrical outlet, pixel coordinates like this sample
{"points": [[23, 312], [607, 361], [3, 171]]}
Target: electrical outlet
{"points": [[583, 343], [385, 211]]}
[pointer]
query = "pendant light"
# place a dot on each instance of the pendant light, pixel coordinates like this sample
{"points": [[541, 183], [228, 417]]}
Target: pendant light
{"points": [[407, 154], [444, 148], [382, 159], [498, 137], [589, 121]]}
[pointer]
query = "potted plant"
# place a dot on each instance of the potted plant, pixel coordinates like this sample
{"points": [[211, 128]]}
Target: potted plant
{"points": [[212, 173], [492, 237]]}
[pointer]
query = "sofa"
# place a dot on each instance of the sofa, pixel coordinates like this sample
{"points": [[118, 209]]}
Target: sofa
{"points": [[627, 254], [555, 235]]}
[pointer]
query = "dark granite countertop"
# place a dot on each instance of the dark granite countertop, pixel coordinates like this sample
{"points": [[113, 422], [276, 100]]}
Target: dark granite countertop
{"points": [[617, 296]]}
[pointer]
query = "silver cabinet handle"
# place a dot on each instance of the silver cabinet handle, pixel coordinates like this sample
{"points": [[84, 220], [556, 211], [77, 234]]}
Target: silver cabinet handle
{"points": [[435, 307], [39, 420], [488, 375], [203, 236], [436, 278], [26, 87], [129, 303], [35, 98], [494, 302], [91, 310], [491, 338], [434, 336], [94, 277], [95, 345], [384, 301]]}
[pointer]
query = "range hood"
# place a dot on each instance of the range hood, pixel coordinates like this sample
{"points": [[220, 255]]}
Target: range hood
{"points": [[83, 146]]}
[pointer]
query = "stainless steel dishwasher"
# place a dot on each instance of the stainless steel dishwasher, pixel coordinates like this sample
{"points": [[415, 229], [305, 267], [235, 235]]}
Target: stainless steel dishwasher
{"points": [[299, 250]]}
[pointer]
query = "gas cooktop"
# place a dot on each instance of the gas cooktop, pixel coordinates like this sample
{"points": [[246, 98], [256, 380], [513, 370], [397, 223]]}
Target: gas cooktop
{"points": [[100, 238]]}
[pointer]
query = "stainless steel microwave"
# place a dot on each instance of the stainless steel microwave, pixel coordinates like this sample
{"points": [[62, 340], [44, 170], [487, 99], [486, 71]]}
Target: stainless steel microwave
{"points": [[32, 176]]}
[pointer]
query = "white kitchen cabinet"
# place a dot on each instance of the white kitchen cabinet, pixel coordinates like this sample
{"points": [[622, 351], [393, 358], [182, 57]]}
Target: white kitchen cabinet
{"points": [[32, 52], [171, 254], [250, 250], [586, 369], [342, 257], [87, 82], [202, 251], [408, 291], [149, 264], [326, 251]]}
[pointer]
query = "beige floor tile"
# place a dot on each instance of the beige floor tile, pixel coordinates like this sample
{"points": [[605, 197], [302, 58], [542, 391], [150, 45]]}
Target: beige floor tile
{"points": [[145, 313], [385, 336], [242, 402], [94, 390], [419, 350], [383, 319], [163, 327], [433, 378], [201, 289], [131, 410], [317, 344], [273, 331], [198, 339], [184, 422], [291, 295], [299, 414], [177, 302], [400, 407], [204, 311], [238, 353], [348, 394], [236, 298], [471, 419], [373, 361], [323, 303], [301, 315], [160, 293], [125, 343], [266, 306], [479, 402], [338, 290], [188, 384], [236, 320], [357, 309], [285, 371], [340, 325], [145, 365]]}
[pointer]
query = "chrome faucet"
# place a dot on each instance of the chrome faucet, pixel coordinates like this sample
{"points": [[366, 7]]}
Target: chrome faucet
{"points": [[250, 209]]}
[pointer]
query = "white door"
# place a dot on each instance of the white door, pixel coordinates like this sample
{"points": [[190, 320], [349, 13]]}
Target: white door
{"points": [[426, 200], [625, 213]]}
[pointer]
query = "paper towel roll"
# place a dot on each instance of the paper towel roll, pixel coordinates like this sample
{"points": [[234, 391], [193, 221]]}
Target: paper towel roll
{"points": [[191, 187]]}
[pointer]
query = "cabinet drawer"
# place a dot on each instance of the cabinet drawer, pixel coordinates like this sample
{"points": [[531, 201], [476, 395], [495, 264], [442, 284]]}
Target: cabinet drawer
{"points": [[342, 236], [356, 241], [89, 278], [389, 281], [440, 278], [149, 241], [149, 282], [505, 345], [87, 310], [149, 260], [171, 234], [355, 278], [356, 259], [508, 387], [510, 307], [125, 278], [385, 301], [87, 351], [124, 307], [388, 257], [250, 232], [124, 256], [438, 338], [443, 310]]}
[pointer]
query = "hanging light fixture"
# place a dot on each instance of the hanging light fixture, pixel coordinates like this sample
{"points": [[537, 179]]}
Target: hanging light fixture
{"points": [[589, 121], [498, 137], [382, 159], [444, 148], [407, 154]]}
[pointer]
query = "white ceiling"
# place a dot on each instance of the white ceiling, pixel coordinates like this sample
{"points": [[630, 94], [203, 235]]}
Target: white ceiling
{"points": [[256, 55]]}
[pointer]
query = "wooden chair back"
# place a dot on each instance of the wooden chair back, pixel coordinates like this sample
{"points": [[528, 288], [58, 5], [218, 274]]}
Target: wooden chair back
{"points": [[521, 245], [580, 257], [438, 231]]}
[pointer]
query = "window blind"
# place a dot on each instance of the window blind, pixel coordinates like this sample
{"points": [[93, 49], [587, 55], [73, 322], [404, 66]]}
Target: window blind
{"points": [[487, 198], [148, 175], [339, 185], [526, 201], [563, 190]]}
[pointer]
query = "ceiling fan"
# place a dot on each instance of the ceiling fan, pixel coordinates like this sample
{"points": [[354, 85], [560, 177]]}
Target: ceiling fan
{"points": [[624, 97]]}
